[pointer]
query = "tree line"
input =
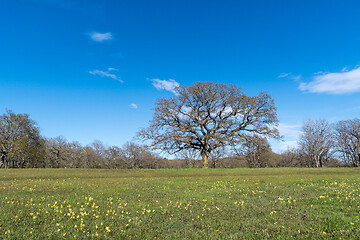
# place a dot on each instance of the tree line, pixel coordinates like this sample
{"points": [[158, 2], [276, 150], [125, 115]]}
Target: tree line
{"points": [[321, 141], [22, 146], [204, 125], [321, 144]]}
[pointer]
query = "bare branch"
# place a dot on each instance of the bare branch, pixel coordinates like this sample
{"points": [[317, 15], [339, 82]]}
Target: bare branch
{"points": [[207, 116]]}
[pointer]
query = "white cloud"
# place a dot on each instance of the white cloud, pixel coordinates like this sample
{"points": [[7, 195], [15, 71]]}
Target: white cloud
{"points": [[282, 75], [290, 75], [296, 78], [133, 105], [106, 74], [99, 37], [334, 83], [289, 131], [280, 147], [168, 85], [320, 72]]}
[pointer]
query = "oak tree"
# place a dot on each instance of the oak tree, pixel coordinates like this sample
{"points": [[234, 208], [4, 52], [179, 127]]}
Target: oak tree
{"points": [[347, 134], [316, 142], [256, 150], [206, 116], [20, 142]]}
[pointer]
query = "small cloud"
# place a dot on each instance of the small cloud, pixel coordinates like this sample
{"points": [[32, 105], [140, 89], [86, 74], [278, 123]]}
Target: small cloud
{"points": [[290, 75], [133, 105], [282, 75], [344, 69], [320, 72], [296, 78], [168, 85], [112, 69], [334, 83], [99, 37], [284, 146], [106, 74], [290, 134], [290, 131]]}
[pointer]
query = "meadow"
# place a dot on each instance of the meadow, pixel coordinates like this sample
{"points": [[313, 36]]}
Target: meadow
{"points": [[180, 204]]}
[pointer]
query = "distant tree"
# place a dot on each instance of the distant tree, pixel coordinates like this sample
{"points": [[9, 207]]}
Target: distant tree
{"points": [[216, 155], [316, 142], [20, 141], [189, 155], [98, 156], [151, 160], [177, 163], [291, 158], [131, 154], [114, 159], [137, 156], [56, 152], [233, 161], [255, 148], [61, 153], [99, 147], [206, 116], [77, 155], [347, 134]]}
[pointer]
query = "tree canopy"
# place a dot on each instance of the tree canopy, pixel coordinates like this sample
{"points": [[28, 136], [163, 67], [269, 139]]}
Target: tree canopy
{"points": [[316, 142], [206, 116], [20, 141], [347, 134]]}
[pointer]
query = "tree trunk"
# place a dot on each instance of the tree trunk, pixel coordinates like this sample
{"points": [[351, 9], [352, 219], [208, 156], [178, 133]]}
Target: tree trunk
{"points": [[357, 161], [4, 160], [204, 156]]}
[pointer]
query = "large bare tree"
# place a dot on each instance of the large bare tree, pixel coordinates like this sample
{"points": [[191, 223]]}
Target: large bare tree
{"points": [[347, 135], [206, 116], [316, 142]]}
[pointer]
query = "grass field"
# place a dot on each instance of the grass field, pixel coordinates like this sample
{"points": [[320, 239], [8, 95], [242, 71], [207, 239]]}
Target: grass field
{"points": [[180, 204]]}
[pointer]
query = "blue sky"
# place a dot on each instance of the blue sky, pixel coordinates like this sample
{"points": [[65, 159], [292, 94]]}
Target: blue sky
{"points": [[91, 70]]}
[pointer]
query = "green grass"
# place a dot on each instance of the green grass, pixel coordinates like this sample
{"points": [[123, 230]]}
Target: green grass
{"points": [[180, 204]]}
